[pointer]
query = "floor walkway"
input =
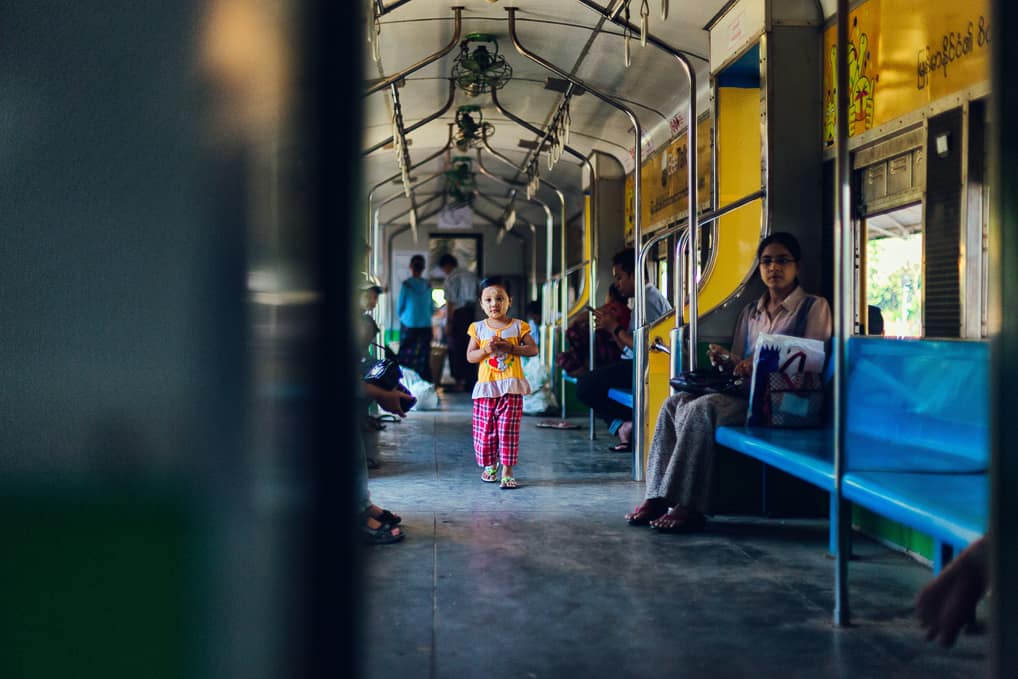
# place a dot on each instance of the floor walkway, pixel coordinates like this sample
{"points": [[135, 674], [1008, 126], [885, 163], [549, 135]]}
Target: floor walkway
{"points": [[549, 581]]}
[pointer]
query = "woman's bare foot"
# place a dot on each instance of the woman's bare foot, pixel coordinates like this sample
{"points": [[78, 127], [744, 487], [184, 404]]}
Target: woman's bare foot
{"points": [[626, 432], [679, 520], [647, 511]]}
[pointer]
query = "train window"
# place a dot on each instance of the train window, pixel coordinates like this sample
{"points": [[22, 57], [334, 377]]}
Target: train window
{"points": [[891, 273]]}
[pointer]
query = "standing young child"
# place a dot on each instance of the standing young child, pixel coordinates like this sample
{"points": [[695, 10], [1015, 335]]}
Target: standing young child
{"points": [[496, 343]]}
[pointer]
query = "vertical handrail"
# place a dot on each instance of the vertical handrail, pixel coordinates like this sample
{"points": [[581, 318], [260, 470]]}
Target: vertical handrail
{"points": [[639, 352], [842, 323]]}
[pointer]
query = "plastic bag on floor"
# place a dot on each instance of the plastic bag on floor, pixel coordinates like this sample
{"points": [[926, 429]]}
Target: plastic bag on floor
{"points": [[423, 391], [541, 399]]}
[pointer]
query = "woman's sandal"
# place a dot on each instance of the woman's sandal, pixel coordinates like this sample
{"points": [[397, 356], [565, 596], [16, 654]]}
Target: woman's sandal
{"points": [[490, 474], [624, 447], [508, 483], [684, 522], [646, 512]]}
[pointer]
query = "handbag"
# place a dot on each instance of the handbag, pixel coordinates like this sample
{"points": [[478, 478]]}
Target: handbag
{"points": [[383, 372], [706, 381], [787, 388], [794, 400]]}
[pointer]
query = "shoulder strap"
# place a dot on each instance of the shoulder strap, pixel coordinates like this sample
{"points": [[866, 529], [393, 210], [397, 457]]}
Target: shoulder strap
{"points": [[802, 316]]}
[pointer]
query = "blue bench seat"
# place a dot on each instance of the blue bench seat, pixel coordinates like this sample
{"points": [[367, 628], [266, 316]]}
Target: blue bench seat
{"points": [[804, 453], [951, 508], [917, 443]]}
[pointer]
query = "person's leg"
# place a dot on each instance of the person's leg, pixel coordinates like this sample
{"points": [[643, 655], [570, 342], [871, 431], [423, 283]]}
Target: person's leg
{"points": [[422, 353], [662, 449], [485, 437], [464, 316], [458, 340], [687, 478], [508, 418], [372, 517], [592, 390]]}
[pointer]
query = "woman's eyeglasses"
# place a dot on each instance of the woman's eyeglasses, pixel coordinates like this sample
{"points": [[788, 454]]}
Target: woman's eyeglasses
{"points": [[780, 261]]}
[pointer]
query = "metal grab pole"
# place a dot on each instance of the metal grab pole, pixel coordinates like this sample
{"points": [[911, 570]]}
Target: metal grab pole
{"points": [[842, 321], [457, 29], [639, 351]]}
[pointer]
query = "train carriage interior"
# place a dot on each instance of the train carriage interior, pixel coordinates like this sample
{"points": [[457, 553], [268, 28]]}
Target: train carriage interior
{"points": [[268, 411]]}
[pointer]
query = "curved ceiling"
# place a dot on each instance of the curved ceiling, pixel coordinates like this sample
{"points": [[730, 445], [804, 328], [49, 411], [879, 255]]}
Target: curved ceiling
{"points": [[566, 33], [570, 34]]}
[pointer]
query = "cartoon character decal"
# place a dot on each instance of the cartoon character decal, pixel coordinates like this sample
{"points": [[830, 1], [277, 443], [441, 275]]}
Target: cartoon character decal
{"points": [[860, 86], [501, 362]]}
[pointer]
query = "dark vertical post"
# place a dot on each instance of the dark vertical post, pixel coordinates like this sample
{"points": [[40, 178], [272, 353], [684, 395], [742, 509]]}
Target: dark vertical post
{"points": [[328, 130], [1004, 353]]}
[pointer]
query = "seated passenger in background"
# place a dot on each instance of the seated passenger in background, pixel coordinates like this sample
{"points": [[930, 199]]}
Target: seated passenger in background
{"points": [[576, 359], [681, 463], [592, 388]]}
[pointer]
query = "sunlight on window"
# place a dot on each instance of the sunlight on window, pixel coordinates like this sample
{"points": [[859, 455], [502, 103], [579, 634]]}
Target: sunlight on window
{"points": [[894, 282]]}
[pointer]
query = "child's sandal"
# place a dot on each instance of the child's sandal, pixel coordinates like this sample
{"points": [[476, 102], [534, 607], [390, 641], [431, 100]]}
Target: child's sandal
{"points": [[508, 482], [490, 474]]}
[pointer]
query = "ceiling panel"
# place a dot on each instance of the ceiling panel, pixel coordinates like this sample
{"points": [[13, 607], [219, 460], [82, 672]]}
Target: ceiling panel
{"points": [[565, 33]]}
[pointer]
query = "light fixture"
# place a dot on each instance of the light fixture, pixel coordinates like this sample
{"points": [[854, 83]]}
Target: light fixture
{"points": [[482, 69], [942, 143], [510, 219]]}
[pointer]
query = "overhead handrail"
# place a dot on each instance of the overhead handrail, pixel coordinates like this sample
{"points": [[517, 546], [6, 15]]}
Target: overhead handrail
{"points": [[420, 123], [549, 246], [595, 218], [375, 264], [691, 142], [457, 29], [594, 222], [639, 359]]}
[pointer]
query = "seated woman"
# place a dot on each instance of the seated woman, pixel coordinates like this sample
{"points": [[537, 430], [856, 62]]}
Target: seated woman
{"points": [[681, 462], [575, 360]]}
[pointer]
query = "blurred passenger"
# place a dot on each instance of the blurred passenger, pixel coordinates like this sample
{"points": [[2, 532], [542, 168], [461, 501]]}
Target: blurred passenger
{"points": [[414, 309], [680, 466], [533, 316], [367, 330], [948, 603], [378, 526], [874, 320], [592, 388], [460, 311], [576, 358]]}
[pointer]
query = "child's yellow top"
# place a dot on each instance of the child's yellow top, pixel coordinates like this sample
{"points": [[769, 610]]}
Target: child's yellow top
{"points": [[500, 374]]}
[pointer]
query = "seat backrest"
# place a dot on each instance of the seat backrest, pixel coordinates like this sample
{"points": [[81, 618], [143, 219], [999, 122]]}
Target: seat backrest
{"points": [[928, 394]]}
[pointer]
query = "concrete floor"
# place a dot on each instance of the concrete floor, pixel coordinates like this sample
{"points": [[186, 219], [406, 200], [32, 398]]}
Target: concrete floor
{"points": [[549, 581]]}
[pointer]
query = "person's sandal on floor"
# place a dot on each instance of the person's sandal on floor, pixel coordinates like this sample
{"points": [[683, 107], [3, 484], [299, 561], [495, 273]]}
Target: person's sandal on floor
{"points": [[375, 532], [490, 474], [648, 511], [625, 444], [679, 520]]}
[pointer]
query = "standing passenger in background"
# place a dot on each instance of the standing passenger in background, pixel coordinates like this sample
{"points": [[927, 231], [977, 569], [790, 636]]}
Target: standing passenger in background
{"points": [[414, 309], [460, 311]]}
